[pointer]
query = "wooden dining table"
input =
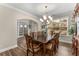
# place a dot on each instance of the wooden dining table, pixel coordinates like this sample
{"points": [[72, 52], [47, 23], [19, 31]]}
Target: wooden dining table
{"points": [[44, 41]]}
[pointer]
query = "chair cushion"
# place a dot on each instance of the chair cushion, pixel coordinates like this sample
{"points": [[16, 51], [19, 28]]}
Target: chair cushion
{"points": [[36, 47], [35, 50], [49, 46]]}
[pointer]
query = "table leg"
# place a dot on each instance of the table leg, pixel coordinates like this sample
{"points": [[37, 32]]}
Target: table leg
{"points": [[76, 51], [44, 49]]}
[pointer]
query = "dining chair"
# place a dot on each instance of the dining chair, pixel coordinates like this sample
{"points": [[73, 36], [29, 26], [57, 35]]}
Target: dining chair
{"points": [[50, 47], [75, 46], [55, 44], [32, 46], [77, 49], [57, 40]]}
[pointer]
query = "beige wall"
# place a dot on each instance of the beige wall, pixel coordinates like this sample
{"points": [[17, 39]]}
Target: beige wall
{"points": [[8, 18]]}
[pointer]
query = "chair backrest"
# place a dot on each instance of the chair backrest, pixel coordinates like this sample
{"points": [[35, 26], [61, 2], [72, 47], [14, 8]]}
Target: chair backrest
{"points": [[73, 40], [75, 43], [39, 35], [56, 38], [28, 41], [32, 34]]}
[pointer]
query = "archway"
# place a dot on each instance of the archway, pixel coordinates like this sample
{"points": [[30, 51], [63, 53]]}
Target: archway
{"points": [[26, 26]]}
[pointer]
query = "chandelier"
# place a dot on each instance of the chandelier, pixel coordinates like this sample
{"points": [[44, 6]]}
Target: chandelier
{"points": [[46, 18]]}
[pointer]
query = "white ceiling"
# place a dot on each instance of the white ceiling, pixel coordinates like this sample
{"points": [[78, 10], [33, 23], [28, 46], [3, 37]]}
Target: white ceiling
{"points": [[38, 9]]}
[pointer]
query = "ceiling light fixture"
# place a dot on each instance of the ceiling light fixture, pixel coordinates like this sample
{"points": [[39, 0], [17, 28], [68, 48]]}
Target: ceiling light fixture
{"points": [[46, 18]]}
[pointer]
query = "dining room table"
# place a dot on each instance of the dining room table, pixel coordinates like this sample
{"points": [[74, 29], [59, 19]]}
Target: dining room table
{"points": [[45, 41]]}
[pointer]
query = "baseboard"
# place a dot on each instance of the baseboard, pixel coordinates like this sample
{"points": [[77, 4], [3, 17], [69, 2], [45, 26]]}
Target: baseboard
{"points": [[65, 41], [5, 49]]}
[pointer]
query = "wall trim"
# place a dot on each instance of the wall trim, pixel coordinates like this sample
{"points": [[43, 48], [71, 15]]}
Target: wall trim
{"points": [[5, 49]]}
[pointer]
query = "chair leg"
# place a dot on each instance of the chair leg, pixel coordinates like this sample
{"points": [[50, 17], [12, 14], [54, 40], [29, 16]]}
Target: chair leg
{"points": [[55, 49], [57, 46], [42, 52], [27, 52], [76, 52], [51, 53], [33, 53]]}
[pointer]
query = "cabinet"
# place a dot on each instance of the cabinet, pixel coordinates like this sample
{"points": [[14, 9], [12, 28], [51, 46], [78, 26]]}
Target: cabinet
{"points": [[61, 26]]}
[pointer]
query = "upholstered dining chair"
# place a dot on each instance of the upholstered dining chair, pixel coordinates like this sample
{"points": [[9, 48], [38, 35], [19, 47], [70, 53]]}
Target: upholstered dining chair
{"points": [[75, 46], [57, 40], [32, 46], [50, 47]]}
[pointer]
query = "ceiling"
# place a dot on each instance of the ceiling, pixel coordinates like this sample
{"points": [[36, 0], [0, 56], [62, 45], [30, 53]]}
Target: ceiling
{"points": [[38, 9]]}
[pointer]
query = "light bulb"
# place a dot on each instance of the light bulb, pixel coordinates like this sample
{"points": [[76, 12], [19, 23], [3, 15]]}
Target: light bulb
{"points": [[44, 17], [41, 20], [48, 22], [50, 18]]}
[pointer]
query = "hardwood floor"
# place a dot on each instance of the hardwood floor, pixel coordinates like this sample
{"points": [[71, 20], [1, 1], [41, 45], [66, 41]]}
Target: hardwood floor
{"points": [[13, 52], [63, 50]]}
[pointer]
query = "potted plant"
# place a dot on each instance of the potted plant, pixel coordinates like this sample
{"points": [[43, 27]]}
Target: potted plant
{"points": [[71, 30]]}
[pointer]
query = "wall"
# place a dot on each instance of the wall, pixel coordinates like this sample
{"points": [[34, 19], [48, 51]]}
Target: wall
{"points": [[8, 18]]}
